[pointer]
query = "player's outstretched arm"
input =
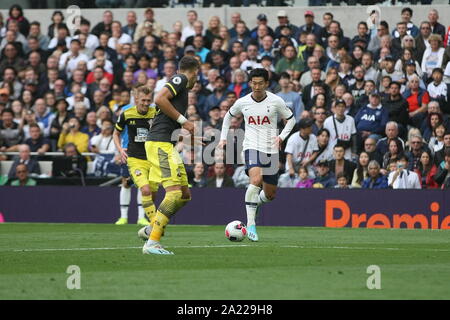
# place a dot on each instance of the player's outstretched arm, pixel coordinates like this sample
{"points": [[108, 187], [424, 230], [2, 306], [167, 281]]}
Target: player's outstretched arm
{"points": [[162, 100]]}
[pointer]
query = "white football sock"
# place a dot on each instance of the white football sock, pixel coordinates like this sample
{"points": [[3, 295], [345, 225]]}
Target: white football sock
{"points": [[141, 211], [125, 198], [251, 203], [262, 198]]}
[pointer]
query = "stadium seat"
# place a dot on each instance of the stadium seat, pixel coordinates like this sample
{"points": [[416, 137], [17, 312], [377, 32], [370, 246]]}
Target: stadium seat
{"points": [[46, 167], [5, 166], [90, 167]]}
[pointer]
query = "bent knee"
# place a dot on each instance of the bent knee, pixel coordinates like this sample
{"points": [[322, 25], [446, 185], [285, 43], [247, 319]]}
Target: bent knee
{"points": [[256, 181]]}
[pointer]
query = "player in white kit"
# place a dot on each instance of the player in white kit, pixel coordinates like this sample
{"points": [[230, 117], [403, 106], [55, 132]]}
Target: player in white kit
{"points": [[261, 110]]}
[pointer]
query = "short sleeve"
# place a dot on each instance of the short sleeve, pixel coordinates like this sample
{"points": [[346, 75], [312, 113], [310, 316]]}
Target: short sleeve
{"points": [[284, 110], [314, 145], [236, 109], [290, 145], [176, 84], [120, 124], [95, 140]]}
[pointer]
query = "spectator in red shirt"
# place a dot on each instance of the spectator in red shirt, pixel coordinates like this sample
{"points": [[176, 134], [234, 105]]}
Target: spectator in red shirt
{"points": [[239, 83], [417, 99], [98, 74], [426, 171]]}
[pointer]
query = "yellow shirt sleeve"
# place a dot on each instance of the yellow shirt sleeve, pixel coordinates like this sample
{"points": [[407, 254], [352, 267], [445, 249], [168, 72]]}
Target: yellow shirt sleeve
{"points": [[82, 142], [62, 140]]}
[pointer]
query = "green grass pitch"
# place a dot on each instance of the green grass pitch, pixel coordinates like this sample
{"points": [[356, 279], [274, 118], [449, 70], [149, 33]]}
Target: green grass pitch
{"points": [[287, 263]]}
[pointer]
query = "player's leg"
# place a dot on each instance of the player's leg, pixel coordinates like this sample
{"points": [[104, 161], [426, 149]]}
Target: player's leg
{"points": [[140, 171], [251, 200], [124, 196], [267, 193], [270, 180], [252, 194], [176, 197], [168, 168], [141, 212], [144, 232]]}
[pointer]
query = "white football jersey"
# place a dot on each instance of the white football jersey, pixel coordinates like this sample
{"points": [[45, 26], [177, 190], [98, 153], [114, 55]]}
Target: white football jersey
{"points": [[345, 131], [261, 120], [296, 146]]}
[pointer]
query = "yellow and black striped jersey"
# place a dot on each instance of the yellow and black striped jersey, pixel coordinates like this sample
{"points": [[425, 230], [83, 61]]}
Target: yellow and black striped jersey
{"points": [[163, 126], [138, 126]]}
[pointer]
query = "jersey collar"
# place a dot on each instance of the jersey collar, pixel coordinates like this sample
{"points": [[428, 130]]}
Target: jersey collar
{"points": [[251, 95]]}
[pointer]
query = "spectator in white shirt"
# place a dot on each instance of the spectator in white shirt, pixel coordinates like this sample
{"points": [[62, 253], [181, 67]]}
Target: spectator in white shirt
{"points": [[301, 149], [402, 178], [118, 37], [170, 68], [68, 61], [437, 89], [189, 29], [253, 61], [99, 59], [103, 142], [63, 34], [433, 55], [92, 41]]}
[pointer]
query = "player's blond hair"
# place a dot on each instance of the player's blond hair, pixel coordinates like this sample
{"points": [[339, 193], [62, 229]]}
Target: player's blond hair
{"points": [[141, 88]]}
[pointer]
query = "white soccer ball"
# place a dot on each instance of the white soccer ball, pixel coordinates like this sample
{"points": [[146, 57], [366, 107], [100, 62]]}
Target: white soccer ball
{"points": [[235, 231]]}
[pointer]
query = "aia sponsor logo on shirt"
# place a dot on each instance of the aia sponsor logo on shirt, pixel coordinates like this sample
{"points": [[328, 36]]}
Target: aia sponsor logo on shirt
{"points": [[368, 117], [258, 120], [304, 156]]}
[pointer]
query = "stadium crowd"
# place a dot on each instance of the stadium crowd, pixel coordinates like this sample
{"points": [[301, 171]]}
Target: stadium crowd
{"points": [[372, 111]]}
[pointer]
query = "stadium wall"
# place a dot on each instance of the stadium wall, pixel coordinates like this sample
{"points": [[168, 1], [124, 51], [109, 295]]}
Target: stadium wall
{"points": [[425, 209], [348, 16]]}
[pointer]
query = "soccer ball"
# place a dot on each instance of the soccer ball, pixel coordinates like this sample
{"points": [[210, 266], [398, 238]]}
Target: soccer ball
{"points": [[235, 231]]}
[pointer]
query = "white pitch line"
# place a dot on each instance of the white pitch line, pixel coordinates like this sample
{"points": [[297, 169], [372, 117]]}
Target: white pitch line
{"points": [[123, 248], [233, 246], [366, 248]]}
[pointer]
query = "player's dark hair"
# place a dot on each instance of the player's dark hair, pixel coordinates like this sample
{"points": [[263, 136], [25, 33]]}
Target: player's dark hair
{"points": [[188, 63], [259, 72]]}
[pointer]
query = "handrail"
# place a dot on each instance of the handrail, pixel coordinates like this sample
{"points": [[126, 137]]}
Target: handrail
{"points": [[57, 154]]}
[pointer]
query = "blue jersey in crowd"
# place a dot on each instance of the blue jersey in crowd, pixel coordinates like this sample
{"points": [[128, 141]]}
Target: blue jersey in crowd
{"points": [[372, 120], [125, 131]]}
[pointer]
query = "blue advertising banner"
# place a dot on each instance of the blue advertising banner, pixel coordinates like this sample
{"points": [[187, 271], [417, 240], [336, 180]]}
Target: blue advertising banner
{"points": [[425, 209]]}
